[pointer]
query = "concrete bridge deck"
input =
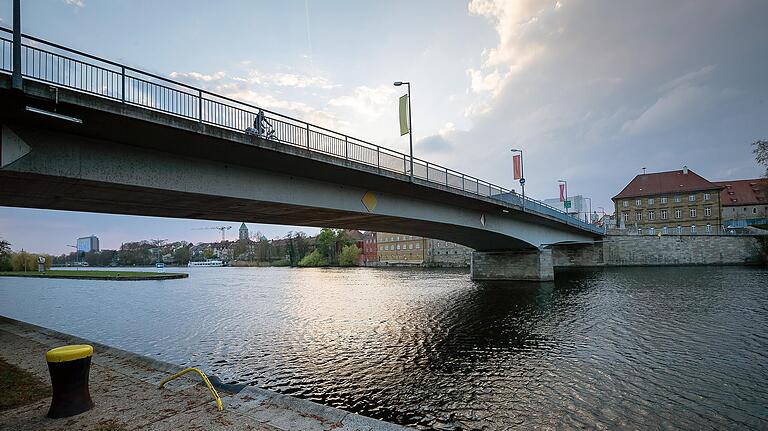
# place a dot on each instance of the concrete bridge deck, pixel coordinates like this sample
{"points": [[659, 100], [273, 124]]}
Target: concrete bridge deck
{"points": [[135, 143]]}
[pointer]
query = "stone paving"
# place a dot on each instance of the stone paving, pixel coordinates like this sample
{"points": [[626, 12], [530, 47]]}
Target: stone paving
{"points": [[124, 387]]}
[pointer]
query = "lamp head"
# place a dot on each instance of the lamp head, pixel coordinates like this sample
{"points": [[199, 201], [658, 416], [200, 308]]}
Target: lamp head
{"points": [[398, 83]]}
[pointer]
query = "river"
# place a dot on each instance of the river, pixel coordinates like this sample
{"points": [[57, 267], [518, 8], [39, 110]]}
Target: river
{"points": [[618, 348]]}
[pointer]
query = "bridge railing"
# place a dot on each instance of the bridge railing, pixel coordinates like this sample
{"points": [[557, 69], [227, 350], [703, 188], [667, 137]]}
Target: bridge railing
{"points": [[60, 66]]}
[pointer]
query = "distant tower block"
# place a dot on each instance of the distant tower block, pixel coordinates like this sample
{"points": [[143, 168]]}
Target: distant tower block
{"points": [[243, 232]]}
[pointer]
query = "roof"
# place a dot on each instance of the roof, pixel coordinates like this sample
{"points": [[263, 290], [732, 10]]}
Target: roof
{"points": [[744, 192], [659, 183]]}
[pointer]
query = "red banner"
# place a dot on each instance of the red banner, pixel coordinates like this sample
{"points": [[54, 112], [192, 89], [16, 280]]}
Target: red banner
{"points": [[517, 167], [562, 192]]}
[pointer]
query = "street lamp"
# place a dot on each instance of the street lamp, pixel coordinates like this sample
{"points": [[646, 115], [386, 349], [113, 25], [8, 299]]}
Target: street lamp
{"points": [[76, 255], [566, 193], [522, 173], [410, 123], [590, 210]]}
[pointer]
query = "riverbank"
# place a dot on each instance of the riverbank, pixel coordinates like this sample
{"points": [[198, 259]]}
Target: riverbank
{"points": [[124, 387], [98, 275]]}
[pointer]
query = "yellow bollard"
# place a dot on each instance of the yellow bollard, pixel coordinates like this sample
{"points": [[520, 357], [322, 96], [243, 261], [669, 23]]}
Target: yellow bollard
{"points": [[69, 367]]}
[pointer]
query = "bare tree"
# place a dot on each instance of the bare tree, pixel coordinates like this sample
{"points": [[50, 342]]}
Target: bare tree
{"points": [[761, 153]]}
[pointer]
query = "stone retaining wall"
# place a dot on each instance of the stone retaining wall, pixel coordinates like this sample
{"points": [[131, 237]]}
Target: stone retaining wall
{"points": [[665, 250]]}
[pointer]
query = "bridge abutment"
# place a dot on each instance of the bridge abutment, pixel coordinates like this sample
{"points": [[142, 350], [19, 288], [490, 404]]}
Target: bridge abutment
{"points": [[536, 265]]}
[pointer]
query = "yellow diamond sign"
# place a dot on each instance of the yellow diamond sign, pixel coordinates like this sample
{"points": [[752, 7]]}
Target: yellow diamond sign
{"points": [[369, 201]]}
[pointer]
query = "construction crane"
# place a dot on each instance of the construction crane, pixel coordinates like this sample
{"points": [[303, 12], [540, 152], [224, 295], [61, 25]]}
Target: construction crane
{"points": [[221, 228]]}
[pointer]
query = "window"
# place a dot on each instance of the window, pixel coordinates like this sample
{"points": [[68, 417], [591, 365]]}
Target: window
{"points": [[625, 216], [665, 230], [418, 245], [677, 198], [678, 213], [691, 198], [706, 196], [679, 230], [638, 216], [626, 204], [693, 229], [651, 231], [650, 201], [709, 228], [639, 231], [754, 210], [707, 211], [663, 199], [663, 214], [693, 212], [410, 246], [398, 246], [651, 215], [638, 202]]}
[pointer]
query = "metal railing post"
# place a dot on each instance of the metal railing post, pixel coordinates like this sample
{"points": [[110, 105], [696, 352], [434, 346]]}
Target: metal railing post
{"points": [[200, 106], [122, 88], [16, 77], [378, 158], [405, 165], [308, 136], [446, 176], [427, 169], [462, 183], [346, 147]]}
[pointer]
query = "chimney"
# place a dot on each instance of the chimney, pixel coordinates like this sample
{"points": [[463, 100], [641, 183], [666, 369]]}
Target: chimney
{"points": [[685, 170]]}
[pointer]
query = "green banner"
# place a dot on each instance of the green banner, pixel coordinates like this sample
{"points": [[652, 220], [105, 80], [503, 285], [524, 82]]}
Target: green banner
{"points": [[404, 126]]}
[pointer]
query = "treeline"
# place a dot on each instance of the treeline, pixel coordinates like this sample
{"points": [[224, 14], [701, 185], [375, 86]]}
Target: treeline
{"points": [[332, 247], [21, 260]]}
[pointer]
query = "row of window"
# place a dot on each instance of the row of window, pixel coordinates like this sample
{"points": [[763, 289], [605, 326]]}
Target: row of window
{"points": [[677, 230], [397, 247], [664, 215], [663, 200], [398, 238]]}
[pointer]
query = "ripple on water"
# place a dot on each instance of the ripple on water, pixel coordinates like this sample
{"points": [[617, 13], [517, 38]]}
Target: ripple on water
{"points": [[612, 348]]}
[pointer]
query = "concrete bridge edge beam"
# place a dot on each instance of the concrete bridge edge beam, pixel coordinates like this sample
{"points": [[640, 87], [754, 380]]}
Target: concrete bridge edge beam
{"points": [[534, 265]]}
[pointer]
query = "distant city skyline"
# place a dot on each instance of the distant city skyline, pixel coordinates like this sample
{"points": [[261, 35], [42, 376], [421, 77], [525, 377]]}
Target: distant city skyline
{"points": [[584, 88]]}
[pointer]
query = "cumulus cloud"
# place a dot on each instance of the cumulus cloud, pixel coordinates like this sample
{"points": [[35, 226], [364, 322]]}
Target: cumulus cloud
{"points": [[76, 3]]}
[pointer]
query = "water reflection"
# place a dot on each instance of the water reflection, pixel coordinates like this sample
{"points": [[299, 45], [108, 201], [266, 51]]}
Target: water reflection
{"points": [[612, 348]]}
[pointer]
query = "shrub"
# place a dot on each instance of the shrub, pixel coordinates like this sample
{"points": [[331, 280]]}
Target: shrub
{"points": [[314, 259], [349, 255]]}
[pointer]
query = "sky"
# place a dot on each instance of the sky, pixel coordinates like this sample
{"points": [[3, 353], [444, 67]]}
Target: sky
{"points": [[592, 91]]}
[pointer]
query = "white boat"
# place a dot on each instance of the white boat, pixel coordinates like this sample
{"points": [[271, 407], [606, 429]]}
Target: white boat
{"points": [[207, 263]]}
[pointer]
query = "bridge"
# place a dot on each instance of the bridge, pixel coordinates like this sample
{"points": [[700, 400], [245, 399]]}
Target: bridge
{"points": [[84, 133]]}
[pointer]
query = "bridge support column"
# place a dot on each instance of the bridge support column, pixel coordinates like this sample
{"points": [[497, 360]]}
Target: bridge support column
{"points": [[533, 265]]}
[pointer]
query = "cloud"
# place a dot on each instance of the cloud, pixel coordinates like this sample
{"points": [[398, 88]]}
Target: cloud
{"points": [[289, 80], [369, 102], [683, 101], [196, 76], [434, 144], [76, 3]]}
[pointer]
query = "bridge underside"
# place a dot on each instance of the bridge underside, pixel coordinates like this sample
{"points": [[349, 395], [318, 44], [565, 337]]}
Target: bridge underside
{"points": [[128, 160]]}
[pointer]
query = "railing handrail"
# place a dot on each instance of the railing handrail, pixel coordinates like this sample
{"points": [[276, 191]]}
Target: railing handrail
{"points": [[288, 121]]}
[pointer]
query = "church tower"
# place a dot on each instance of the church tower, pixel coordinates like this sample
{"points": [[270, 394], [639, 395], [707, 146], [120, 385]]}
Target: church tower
{"points": [[243, 232]]}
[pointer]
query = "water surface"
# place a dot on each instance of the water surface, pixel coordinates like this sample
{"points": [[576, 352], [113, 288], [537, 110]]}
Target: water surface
{"points": [[612, 348]]}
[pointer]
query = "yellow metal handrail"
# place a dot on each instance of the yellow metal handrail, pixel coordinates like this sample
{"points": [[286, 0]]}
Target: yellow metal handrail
{"points": [[205, 379]]}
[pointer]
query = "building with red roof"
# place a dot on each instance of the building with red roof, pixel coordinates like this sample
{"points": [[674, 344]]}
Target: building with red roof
{"points": [[679, 202], [744, 200]]}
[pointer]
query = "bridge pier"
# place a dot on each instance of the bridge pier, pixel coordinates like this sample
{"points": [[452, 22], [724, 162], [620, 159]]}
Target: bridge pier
{"points": [[533, 265]]}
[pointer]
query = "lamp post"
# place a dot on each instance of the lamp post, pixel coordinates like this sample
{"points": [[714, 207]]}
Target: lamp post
{"points": [[410, 123], [590, 210], [566, 193], [522, 173]]}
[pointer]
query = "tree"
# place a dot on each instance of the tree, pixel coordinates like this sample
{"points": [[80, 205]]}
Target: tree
{"points": [[325, 243], [349, 255], [181, 255], [314, 259], [23, 261], [761, 153], [5, 256]]}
